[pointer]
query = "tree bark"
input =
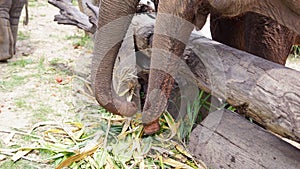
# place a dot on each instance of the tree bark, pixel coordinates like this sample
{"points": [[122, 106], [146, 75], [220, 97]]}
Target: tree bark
{"points": [[70, 15], [226, 140], [267, 92]]}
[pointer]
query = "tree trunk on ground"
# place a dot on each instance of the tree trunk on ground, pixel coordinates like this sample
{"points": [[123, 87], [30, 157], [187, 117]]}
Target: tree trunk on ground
{"points": [[226, 140]]}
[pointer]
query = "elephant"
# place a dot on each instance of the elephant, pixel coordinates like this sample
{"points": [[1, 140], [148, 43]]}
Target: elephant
{"points": [[174, 23], [273, 43], [254, 33], [10, 12]]}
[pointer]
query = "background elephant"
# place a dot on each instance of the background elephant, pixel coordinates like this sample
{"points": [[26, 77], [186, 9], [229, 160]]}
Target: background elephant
{"points": [[174, 24], [10, 12], [254, 33]]}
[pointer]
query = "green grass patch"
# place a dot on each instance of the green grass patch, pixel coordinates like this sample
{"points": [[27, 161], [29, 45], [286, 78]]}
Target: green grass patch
{"points": [[42, 111], [23, 35], [41, 65], [12, 82], [20, 103], [35, 3], [81, 41], [55, 61], [21, 62]]}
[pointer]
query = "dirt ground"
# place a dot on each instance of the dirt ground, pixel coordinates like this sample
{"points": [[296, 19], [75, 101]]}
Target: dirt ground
{"points": [[29, 91], [45, 52]]}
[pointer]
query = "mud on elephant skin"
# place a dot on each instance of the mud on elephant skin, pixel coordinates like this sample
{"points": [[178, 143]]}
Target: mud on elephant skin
{"points": [[10, 12], [175, 21]]}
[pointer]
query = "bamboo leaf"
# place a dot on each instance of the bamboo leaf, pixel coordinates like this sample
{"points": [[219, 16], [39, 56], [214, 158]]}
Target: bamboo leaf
{"points": [[173, 126], [20, 154], [56, 131], [92, 162], [2, 157], [182, 150], [100, 157], [77, 124], [176, 164], [146, 145], [123, 150], [59, 155], [77, 157], [78, 134], [124, 129], [43, 124], [8, 139]]}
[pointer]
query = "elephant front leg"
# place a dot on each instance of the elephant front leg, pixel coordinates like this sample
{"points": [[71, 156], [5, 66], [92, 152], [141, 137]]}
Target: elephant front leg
{"points": [[15, 13], [6, 38], [173, 27]]}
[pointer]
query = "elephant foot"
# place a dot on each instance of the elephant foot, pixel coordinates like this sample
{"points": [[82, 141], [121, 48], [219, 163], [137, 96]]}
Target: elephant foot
{"points": [[151, 128], [5, 52], [4, 59]]}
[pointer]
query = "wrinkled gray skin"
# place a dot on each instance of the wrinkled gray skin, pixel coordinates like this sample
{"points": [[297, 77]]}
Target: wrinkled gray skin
{"points": [[254, 33], [175, 21], [10, 12]]}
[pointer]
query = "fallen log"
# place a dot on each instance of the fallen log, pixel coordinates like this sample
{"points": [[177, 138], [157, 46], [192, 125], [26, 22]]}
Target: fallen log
{"points": [[89, 7], [267, 92], [264, 91], [234, 142], [70, 15]]}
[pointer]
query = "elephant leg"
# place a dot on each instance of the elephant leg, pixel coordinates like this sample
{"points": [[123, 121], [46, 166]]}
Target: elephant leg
{"points": [[254, 33], [268, 39], [229, 31], [6, 38], [113, 22], [174, 24], [15, 13]]}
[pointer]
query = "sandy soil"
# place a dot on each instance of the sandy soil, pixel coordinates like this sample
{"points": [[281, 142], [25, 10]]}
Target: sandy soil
{"points": [[47, 43], [29, 92]]}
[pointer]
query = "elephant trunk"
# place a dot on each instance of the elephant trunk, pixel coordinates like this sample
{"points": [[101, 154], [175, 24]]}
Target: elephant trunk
{"points": [[173, 27], [114, 19]]}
